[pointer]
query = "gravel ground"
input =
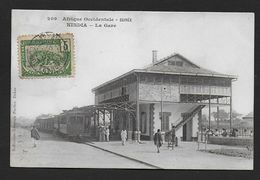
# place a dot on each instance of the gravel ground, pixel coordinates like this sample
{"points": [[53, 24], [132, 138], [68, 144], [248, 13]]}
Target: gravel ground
{"points": [[233, 152], [55, 152]]}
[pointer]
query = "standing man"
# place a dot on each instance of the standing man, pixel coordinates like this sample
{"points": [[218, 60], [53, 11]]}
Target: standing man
{"points": [[100, 133], [158, 140], [35, 135], [107, 133], [123, 136], [103, 133]]}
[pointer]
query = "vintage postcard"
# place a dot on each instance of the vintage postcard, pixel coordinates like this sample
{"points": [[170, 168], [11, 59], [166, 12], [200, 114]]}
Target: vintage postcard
{"points": [[132, 90]]}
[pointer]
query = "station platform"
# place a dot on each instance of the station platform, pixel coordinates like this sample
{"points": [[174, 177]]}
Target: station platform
{"points": [[185, 156]]}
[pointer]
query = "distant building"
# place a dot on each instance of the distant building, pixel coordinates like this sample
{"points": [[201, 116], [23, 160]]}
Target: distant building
{"points": [[249, 116], [170, 91]]}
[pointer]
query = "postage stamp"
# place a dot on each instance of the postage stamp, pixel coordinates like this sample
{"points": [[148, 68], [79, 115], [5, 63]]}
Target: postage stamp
{"points": [[46, 55]]}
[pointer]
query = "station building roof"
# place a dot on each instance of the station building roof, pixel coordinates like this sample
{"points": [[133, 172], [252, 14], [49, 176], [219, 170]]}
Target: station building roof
{"points": [[173, 64]]}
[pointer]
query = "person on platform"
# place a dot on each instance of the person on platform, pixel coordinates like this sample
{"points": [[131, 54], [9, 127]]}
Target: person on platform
{"points": [[35, 135], [123, 136], [107, 134], [224, 133], [103, 133], [158, 140], [100, 133], [173, 137]]}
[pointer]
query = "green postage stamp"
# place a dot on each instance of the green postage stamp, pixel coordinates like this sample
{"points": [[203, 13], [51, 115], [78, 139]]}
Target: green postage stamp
{"points": [[46, 55]]}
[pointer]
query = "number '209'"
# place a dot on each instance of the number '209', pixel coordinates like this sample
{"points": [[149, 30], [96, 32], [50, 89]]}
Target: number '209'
{"points": [[52, 18]]}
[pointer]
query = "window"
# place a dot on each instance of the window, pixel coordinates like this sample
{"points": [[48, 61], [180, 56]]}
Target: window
{"points": [[123, 92], [165, 123], [63, 120], [72, 120], [172, 63], [175, 63], [150, 79], [158, 79], [87, 123], [166, 79], [79, 120], [179, 63], [142, 78], [174, 79], [184, 80], [143, 122]]}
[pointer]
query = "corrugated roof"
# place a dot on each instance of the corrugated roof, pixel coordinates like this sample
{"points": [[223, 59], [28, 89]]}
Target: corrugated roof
{"points": [[195, 69], [160, 68]]}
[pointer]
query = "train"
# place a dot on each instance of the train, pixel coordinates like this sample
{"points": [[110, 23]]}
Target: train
{"points": [[85, 123], [76, 124]]}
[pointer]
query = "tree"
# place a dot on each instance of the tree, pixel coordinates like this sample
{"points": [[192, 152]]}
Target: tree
{"points": [[223, 115], [235, 115]]}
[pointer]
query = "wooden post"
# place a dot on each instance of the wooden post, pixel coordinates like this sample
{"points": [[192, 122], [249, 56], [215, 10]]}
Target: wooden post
{"points": [[98, 117], [137, 125], [217, 113], [94, 118], [137, 105], [161, 109], [230, 104], [111, 118], [179, 88], [200, 124], [104, 116], [209, 103]]}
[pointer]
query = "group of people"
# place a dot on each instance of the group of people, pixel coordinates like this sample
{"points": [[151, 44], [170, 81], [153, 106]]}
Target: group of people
{"points": [[222, 132], [158, 141], [104, 133]]}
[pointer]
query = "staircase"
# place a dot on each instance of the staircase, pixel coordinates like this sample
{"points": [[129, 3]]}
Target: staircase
{"points": [[187, 116]]}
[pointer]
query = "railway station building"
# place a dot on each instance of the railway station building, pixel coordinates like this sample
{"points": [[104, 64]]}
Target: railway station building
{"points": [[169, 92]]}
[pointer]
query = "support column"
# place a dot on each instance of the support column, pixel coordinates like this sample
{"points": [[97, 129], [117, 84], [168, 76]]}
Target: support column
{"points": [[111, 118], [200, 120], [95, 124], [230, 116], [129, 130], [98, 117], [161, 117], [217, 114], [137, 121], [104, 116], [209, 104], [137, 109], [200, 125]]}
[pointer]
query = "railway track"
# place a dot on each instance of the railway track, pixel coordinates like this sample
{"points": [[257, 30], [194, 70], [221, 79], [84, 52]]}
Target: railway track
{"points": [[126, 157]]}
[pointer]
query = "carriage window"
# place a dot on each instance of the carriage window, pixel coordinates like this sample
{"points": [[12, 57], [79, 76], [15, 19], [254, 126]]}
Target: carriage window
{"points": [[123, 91], [79, 119], [63, 120]]}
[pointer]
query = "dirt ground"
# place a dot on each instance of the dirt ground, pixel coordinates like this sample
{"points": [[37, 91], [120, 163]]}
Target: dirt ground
{"points": [[56, 152]]}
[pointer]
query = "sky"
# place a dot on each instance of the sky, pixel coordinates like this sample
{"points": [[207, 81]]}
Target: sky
{"points": [[222, 42]]}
